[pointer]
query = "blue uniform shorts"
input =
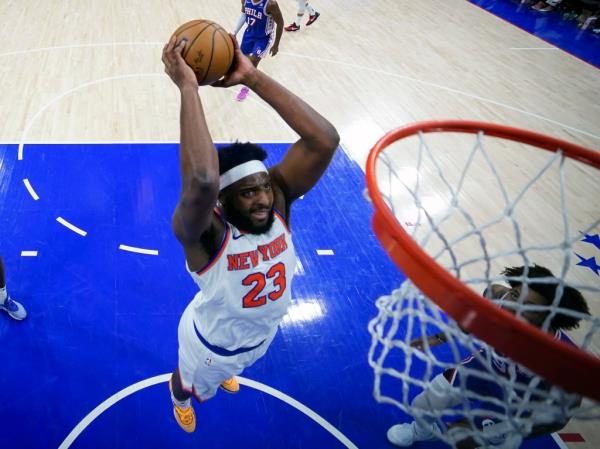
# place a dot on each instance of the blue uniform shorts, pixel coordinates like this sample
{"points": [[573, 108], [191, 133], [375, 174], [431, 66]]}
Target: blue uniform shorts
{"points": [[256, 46]]}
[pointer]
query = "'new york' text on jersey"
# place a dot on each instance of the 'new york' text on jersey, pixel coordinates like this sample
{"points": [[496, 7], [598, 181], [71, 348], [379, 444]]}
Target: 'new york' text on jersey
{"points": [[245, 288]]}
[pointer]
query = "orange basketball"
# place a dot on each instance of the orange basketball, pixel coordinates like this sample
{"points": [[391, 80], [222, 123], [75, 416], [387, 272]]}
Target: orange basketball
{"points": [[208, 51]]}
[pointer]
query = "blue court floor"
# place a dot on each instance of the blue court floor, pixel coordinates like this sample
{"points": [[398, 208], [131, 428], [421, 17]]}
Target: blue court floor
{"points": [[552, 27], [103, 319]]}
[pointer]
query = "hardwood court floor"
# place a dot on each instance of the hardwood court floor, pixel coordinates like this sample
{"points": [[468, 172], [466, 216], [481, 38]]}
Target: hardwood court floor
{"points": [[75, 72]]}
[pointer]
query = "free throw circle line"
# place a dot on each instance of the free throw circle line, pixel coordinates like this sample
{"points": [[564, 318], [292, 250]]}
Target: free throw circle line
{"points": [[90, 417], [29, 188], [71, 226], [135, 249]]}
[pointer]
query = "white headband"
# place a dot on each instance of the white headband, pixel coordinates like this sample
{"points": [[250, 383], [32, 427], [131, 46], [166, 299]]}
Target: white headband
{"points": [[241, 171]]}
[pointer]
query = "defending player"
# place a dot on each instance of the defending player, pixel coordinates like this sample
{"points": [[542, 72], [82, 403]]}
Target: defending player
{"points": [[264, 27], [445, 389], [232, 220]]}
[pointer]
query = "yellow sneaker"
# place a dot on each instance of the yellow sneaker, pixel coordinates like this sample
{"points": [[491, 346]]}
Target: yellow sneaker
{"points": [[231, 385], [185, 417]]}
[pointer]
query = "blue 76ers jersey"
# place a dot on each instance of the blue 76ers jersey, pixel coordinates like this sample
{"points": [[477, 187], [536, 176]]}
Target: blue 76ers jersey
{"points": [[245, 289], [258, 22]]}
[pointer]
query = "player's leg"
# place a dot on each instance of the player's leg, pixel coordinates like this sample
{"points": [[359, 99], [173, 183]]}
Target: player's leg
{"points": [[247, 47], [7, 304], [259, 49], [440, 395], [295, 25], [243, 361], [182, 402], [313, 14], [3, 293], [177, 389], [181, 384], [247, 44]]}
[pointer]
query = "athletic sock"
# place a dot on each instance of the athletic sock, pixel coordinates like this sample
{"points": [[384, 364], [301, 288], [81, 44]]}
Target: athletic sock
{"points": [[300, 14], [181, 404]]}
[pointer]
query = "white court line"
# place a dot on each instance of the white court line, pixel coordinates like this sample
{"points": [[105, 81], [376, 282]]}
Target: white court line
{"points": [[133, 249], [136, 142], [325, 252], [92, 83], [534, 48], [439, 86], [32, 192], [72, 227], [29, 253], [300, 407], [90, 417], [561, 444], [331, 61], [66, 47], [70, 91]]}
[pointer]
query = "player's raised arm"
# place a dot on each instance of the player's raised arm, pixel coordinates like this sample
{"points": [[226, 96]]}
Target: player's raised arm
{"points": [[197, 156], [307, 159], [275, 12]]}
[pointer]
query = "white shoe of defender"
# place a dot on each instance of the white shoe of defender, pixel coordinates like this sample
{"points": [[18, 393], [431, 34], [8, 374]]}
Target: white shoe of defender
{"points": [[14, 309], [405, 435]]}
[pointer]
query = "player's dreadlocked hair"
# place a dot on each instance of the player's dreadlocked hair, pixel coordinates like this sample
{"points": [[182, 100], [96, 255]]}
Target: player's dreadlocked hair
{"points": [[238, 153], [571, 298]]}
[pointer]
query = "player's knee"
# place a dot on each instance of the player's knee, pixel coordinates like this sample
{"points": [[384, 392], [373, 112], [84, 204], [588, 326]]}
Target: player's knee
{"points": [[254, 60]]}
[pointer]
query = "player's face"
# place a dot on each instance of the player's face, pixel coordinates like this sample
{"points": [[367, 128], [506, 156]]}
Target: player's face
{"points": [[248, 205], [534, 317]]}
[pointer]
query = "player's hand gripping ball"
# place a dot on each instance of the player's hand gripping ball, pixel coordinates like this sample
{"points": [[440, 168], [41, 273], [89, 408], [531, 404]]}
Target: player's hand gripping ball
{"points": [[208, 50]]}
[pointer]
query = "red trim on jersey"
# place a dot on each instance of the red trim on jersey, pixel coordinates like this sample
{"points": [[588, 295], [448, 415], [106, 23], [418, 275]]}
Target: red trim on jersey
{"points": [[285, 225], [450, 375], [187, 390], [216, 257]]}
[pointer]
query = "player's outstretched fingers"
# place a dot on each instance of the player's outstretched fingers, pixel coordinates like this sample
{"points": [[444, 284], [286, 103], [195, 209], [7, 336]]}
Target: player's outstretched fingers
{"points": [[167, 58]]}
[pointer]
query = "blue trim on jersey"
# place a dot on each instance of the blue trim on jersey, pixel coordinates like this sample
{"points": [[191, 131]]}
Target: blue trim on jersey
{"points": [[222, 351]]}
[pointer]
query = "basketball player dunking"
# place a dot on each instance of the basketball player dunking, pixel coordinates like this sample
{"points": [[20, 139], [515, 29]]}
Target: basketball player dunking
{"points": [[261, 35], [232, 220]]}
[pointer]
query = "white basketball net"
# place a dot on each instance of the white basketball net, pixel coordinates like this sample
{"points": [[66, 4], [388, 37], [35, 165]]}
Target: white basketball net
{"points": [[475, 212]]}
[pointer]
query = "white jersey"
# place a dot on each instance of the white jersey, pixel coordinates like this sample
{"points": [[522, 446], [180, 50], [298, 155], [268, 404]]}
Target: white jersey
{"points": [[245, 289]]}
